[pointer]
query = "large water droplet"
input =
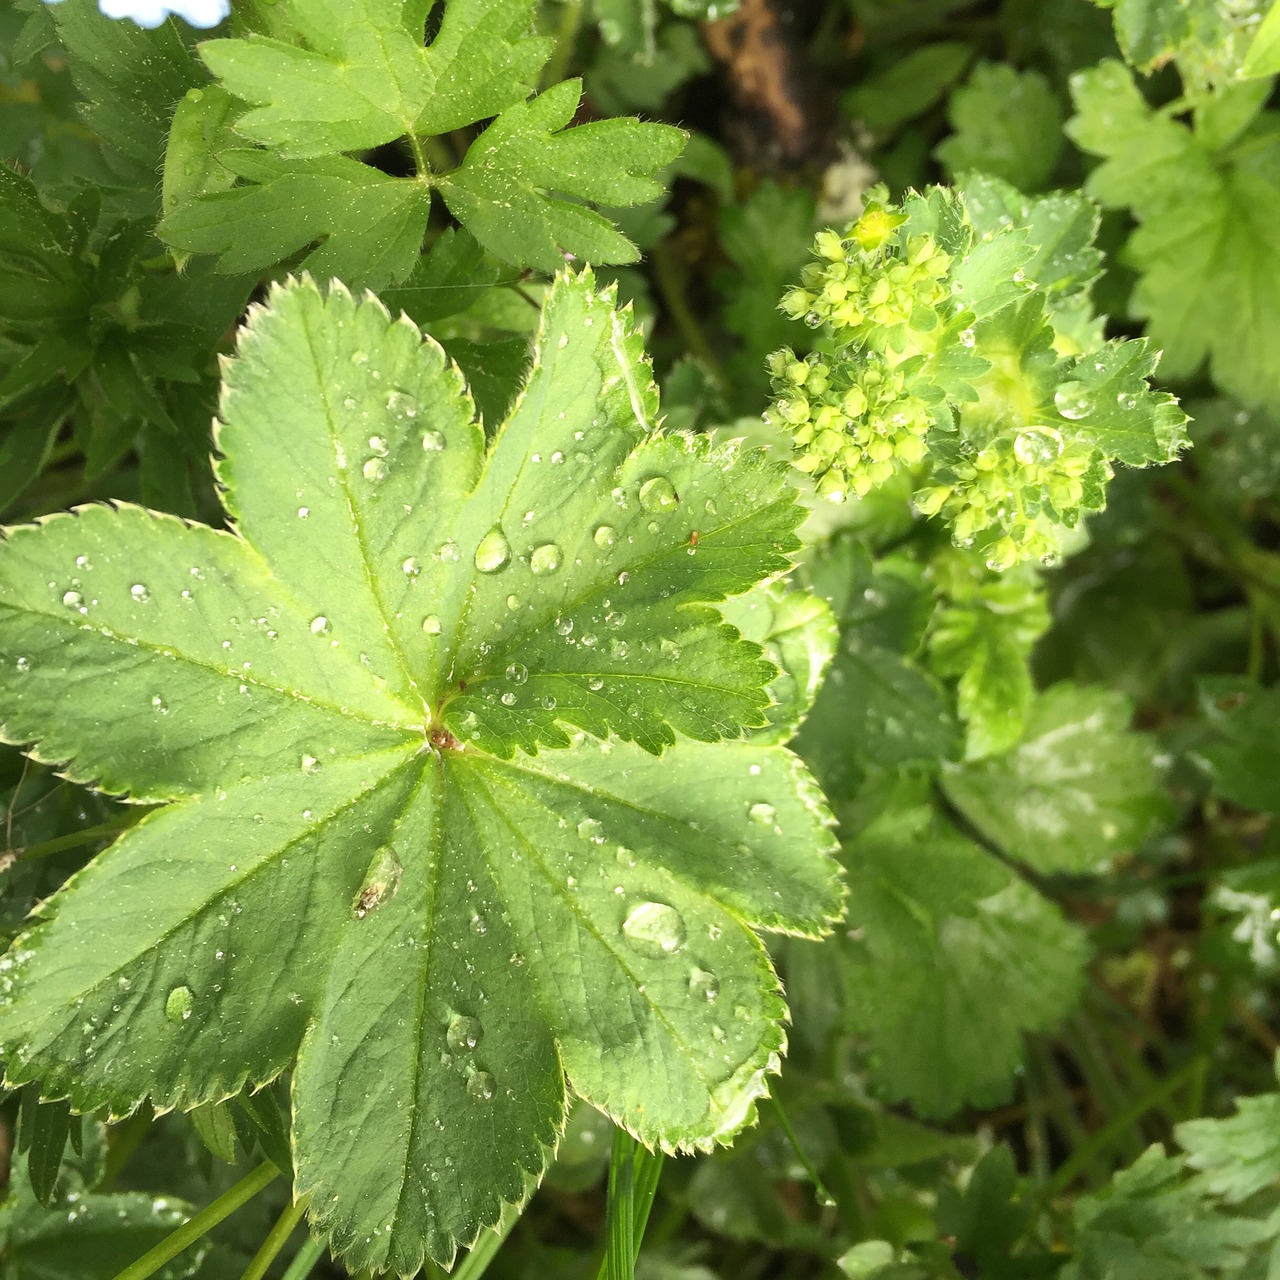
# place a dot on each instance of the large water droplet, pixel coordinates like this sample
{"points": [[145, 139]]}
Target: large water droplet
{"points": [[431, 625], [481, 1086], [432, 441], [657, 495], [73, 600], [704, 984], [449, 552], [320, 625], [23, 665], [493, 552], [1038, 446], [654, 929], [605, 536], [374, 470], [592, 830], [159, 705], [463, 1034], [140, 593], [517, 673], [177, 1008], [762, 814], [1073, 400], [411, 567], [545, 559]]}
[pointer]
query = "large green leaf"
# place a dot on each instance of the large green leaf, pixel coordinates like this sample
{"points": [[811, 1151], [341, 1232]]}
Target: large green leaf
{"points": [[371, 864]]}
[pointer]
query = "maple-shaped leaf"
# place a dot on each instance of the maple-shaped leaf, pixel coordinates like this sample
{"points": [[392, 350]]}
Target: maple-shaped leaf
{"points": [[415, 840], [361, 76], [1208, 241]]}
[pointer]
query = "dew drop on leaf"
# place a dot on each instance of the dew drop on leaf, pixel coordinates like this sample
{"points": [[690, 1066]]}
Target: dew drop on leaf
{"points": [[703, 983], [310, 764], [320, 625], [411, 567], [378, 445], [374, 470], [463, 1034], [595, 684], [23, 665], [380, 882], [432, 441], [303, 512], [591, 829], [431, 625], [1073, 401], [449, 552], [517, 673], [508, 699], [605, 536], [762, 814], [654, 929], [657, 495], [177, 1008], [545, 559], [493, 552], [159, 705], [481, 1086], [140, 593]]}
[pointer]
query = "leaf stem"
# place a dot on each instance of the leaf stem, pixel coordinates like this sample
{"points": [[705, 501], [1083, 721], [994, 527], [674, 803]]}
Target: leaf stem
{"points": [[566, 38], [305, 1259], [204, 1222], [62, 843], [276, 1240], [620, 1255], [825, 1198]]}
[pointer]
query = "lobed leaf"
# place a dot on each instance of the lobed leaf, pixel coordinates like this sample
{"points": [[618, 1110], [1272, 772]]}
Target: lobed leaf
{"points": [[370, 868]]}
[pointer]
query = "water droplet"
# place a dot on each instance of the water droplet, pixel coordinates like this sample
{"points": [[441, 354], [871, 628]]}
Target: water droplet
{"points": [[360, 357], [449, 552], [431, 625], [463, 1034], [303, 512], [493, 552], [140, 593], [548, 702], [374, 470], [704, 984], [177, 1008], [545, 559], [517, 673], [310, 764], [592, 830], [654, 929], [411, 567], [595, 684], [320, 625], [479, 925], [23, 665], [605, 536], [657, 495], [966, 337], [669, 649], [481, 1086], [763, 814], [159, 705], [508, 699], [402, 405], [564, 626], [380, 882], [73, 600], [378, 445], [1038, 446], [1073, 401], [432, 441], [618, 649]]}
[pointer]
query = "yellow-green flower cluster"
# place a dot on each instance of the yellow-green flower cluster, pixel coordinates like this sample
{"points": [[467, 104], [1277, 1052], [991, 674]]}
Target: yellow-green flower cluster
{"points": [[849, 425], [868, 282], [1005, 488]]}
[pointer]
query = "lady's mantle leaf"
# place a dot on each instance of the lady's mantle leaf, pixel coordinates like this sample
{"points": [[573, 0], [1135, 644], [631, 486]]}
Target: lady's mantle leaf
{"points": [[367, 867]]}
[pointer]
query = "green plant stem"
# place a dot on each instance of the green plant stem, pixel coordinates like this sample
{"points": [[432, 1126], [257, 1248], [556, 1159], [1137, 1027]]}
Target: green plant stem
{"points": [[1116, 1128], [825, 1198], [75, 839], [671, 286], [276, 1240], [566, 39], [620, 1255], [305, 1259], [200, 1226]]}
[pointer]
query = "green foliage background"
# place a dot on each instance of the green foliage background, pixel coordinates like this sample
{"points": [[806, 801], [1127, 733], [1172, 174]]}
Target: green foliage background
{"points": [[484, 733]]}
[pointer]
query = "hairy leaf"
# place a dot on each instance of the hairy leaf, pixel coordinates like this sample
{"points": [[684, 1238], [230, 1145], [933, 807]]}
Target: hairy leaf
{"points": [[935, 923], [1078, 789], [370, 864], [1208, 243]]}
